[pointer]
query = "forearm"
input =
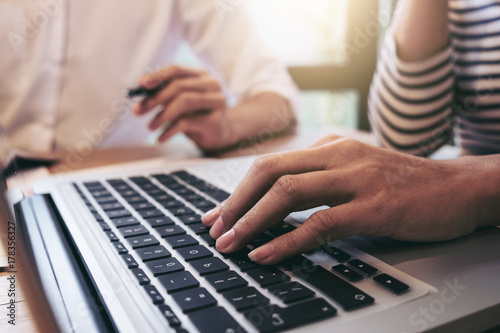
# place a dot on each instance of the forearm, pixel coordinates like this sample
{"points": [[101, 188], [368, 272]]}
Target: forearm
{"points": [[263, 115], [421, 28]]}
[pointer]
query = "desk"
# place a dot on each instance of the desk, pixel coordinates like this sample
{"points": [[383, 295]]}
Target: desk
{"points": [[176, 150]]}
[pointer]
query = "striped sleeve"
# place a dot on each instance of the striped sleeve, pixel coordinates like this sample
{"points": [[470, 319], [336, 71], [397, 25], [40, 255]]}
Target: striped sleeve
{"points": [[410, 102]]}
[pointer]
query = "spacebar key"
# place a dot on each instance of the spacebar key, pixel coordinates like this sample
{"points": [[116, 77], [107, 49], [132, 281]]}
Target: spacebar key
{"points": [[348, 296], [272, 318]]}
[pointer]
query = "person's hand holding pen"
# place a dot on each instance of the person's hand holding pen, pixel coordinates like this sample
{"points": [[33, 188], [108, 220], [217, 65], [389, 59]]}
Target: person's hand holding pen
{"points": [[192, 103], [370, 191]]}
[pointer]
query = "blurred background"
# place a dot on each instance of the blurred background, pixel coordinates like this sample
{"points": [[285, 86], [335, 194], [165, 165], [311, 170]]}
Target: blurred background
{"points": [[330, 48]]}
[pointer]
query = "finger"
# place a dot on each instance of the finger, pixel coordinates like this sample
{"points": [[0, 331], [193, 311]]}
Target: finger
{"points": [[321, 227], [209, 218], [151, 80], [290, 193], [263, 173], [175, 88], [325, 140], [186, 103], [173, 129]]}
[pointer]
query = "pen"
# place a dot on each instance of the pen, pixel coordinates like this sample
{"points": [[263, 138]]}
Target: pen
{"points": [[145, 92]]}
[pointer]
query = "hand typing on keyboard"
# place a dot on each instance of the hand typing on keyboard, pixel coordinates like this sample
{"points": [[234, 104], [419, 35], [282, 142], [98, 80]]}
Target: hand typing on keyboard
{"points": [[371, 191]]}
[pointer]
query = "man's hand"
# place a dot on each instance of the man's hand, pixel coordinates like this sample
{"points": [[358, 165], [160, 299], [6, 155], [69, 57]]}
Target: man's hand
{"points": [[371, 191], [192, 102]]}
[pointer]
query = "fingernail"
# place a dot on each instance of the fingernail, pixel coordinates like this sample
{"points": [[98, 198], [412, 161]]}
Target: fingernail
{"points": [[209, 217], [261, 253], [225, 240], [153, 126], [217, 228]]}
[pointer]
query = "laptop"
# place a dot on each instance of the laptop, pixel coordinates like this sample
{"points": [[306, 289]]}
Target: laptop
{"points": [[126, 252]]}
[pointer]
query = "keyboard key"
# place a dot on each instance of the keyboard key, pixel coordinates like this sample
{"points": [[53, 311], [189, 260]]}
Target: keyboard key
{"points": [[191, 218], [167, 312], [164, 266], [150, 213], [195, 252], [140, 276], [161, 196], [125, 222], [98, 217], [208, 239], [113, 214], [171, 230], [245, 298], [104, 226], [128, 193], [199, 228], [181, 211], [291, 292], [193, 198], [149, 187], [91, 185], [112, 206], [140, 180], [180, 241], [154, 294], [362, 266], [155, 191], [143, 206], [104, 200], [178, 281], [213, 191], [160, 221], [241, 260], [261, 240], [112, 237], [205, 323], [142, 241], [100, 193], [335, 253], [268, 276], [347, 273], [209, 266], [294, 264], [169, 204], [182, 174], [120, 248], [281, 229], [226, 281], [153, 252], [391, 284], [175, 186], [136, 199], [164, 178], [184, 192], [136, 230], [203, 204], [194, 299], [348, 296], [279, 319], [130, 261]]}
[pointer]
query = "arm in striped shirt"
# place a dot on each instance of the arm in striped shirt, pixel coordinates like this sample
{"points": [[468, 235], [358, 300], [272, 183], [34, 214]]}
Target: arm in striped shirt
{"points": [[410, 101]]}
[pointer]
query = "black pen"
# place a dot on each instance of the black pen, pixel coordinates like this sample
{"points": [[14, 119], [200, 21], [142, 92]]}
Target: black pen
{"points": [[145, 92]]}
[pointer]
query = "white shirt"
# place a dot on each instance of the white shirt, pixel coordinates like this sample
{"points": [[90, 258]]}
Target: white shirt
{"points": [[65, 64]]}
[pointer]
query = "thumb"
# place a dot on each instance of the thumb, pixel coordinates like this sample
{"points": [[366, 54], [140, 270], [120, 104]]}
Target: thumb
{"points": [[323, 226]]}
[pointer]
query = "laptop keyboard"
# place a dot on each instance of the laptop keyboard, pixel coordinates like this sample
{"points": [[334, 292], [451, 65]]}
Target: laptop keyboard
{"points": [[287, 295]]}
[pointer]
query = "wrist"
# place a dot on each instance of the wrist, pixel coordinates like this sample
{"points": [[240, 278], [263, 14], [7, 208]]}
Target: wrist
{"points": [[481, 184], [260, 118]]}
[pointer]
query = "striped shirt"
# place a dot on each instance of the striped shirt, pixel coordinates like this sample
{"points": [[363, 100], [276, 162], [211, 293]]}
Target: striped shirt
{"points": [[416, 107]]}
